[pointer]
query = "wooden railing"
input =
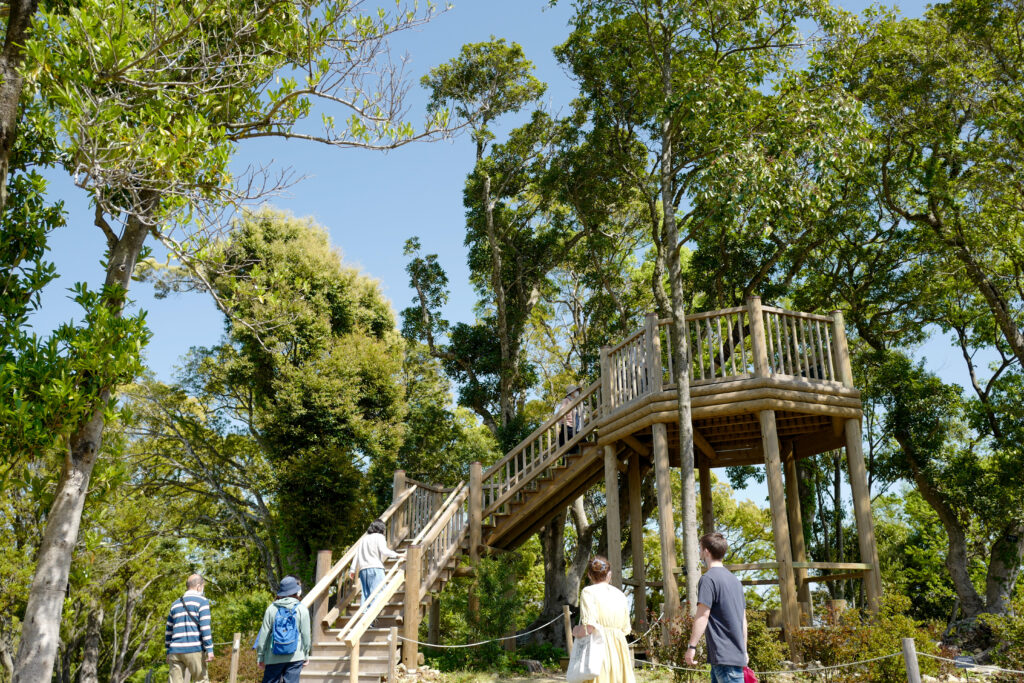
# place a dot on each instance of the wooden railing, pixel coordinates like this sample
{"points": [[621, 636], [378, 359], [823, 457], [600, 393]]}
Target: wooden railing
{"points": [[800, 344], [544, 448]]}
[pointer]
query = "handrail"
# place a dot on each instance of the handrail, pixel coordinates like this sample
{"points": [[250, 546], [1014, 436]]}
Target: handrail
{"points": [[430, 487], [356, 627], [551, 422], [336, 570], [440, 512]]}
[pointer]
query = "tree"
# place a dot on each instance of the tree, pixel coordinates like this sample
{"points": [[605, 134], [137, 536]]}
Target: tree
{"points": [[680, 81], [151, 100]]}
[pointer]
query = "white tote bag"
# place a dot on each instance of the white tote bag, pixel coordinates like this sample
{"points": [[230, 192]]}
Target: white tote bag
{"points": [[587, 658]]}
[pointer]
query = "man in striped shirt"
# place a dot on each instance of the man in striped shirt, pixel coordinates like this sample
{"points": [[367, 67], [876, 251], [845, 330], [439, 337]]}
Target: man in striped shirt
{"points": [[188, 634]]}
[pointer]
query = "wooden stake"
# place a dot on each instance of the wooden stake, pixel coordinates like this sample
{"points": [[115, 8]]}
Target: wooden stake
{"points": [[611, 489], [393, 654], [910, 659], [434, 627], [666, 524], [780, 528], [567, 622], [707, 509], [636, 537], [236, 645], [353, 662], [411, 608]]}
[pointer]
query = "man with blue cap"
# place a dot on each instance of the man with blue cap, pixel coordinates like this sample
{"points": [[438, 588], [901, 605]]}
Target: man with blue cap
{"points": [[283, 644]]}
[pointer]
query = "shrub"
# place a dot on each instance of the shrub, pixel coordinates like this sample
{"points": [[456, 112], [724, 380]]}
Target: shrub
{"points": [[545, 653], [853, 636], [1008, 632]]}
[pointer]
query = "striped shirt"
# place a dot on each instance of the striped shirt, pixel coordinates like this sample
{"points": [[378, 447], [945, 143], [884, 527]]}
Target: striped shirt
{"points": [[182, 633]]}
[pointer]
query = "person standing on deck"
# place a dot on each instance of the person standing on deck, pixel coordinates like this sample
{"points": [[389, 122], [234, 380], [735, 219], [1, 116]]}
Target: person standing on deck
{"points": [[721, 613], [567, 425], [188, 634]]}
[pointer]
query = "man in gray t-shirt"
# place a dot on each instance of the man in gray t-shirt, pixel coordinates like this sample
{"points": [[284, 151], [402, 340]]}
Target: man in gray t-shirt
{"points": [[721, 613]]}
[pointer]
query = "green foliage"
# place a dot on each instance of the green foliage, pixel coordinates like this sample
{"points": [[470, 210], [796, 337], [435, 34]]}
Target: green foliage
{"points": [[673, 650], [853, 636], [765, 647], [1008, 634]]}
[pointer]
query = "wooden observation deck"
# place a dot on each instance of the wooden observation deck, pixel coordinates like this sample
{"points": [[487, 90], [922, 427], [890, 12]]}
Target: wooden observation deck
{"points": [[767, 387]]}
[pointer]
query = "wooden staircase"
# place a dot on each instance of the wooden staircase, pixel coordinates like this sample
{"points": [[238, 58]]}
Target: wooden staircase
{"points": [[750, 366]]}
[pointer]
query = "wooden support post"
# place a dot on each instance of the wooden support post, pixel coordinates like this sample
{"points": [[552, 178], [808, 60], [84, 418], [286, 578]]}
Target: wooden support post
{"points": [[636, 537], [411, 608], [353, 661], [393, 654], [666, 524], [611, 492], [707, 508], [858, 474], [755, 314], [910, 659], [236, 645], [398, 529], [653, 339], [796, 524], [323, 565], [780, 528], [434, 626], [476, 508], [567, 622]]}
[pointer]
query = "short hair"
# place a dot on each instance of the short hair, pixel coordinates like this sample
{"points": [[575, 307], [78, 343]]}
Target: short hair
{"points": [[715, 544], [376, 527], [194, 581], [599, 569]]}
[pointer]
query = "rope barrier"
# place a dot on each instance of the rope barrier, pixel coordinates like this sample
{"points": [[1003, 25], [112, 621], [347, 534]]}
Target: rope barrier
{"points": [[987, 667], [641, 636], [789, 671], [482, 642]]}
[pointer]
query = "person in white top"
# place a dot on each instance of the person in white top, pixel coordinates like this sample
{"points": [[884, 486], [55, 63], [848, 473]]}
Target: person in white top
{"points": [[369, 562]]}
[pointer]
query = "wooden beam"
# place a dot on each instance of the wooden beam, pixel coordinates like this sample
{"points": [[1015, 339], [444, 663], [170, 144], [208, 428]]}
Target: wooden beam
{"points": [[636, 445], [614, 531], [703, 446], [666, 524], [636, 538], [476, 503], [838, 426]]}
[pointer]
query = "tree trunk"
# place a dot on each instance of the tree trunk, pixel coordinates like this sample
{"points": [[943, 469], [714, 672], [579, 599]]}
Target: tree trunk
{"points": [[40, 634], [1003, 568], [680, 343], [561, 583], [19, 18], [89, 671]]}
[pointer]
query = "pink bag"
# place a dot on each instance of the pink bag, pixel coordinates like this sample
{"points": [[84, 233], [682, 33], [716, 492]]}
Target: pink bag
{"points": [[748, 675]]}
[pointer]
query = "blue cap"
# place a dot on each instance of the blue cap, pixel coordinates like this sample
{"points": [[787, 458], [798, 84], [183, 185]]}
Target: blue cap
{"points": [[289, 586]]}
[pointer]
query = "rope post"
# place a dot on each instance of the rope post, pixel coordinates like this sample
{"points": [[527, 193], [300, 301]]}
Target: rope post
{"points": [[910, 658], [236, 644], [393, 654], [567, 622]]}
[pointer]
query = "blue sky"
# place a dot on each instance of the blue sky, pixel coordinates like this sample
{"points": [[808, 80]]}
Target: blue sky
{"points": [[370, 202]]}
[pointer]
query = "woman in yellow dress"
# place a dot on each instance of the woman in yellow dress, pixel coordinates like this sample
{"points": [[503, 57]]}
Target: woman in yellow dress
{"points": [[604, 605]]}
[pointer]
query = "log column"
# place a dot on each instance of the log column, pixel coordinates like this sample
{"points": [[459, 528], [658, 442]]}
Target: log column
{"points": [[476, 507], [773, 470], [796, 524], [398, 528], [858, 474], [636, 538], [663, 481], [707, 509], [323, 565], [611, 492], [411, 607], [780, 526]]}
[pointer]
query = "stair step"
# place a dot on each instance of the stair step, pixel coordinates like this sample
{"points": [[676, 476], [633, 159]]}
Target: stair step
{"points": [[339, 665], [320, 677]]}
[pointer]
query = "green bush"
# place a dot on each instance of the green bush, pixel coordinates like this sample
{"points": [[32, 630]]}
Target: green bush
{"points": [[854, 636], [545, 653], [1008, 632], [764, 645]]}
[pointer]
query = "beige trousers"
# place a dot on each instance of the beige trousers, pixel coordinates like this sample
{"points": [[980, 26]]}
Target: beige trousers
{"points": [[192, 662]]}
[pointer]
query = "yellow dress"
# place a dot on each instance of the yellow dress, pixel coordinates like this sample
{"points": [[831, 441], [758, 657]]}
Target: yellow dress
{"points": [[606, 606]]}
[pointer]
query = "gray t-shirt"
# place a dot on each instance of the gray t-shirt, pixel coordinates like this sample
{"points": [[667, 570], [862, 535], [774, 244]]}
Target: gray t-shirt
{"points": [[723, 593]]}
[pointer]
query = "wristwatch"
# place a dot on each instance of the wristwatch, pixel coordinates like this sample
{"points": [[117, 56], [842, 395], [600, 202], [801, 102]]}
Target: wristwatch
{"points": [[691, 647]]}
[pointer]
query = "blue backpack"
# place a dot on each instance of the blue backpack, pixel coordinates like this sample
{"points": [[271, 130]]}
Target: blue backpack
{"points": [[286, 631]]}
